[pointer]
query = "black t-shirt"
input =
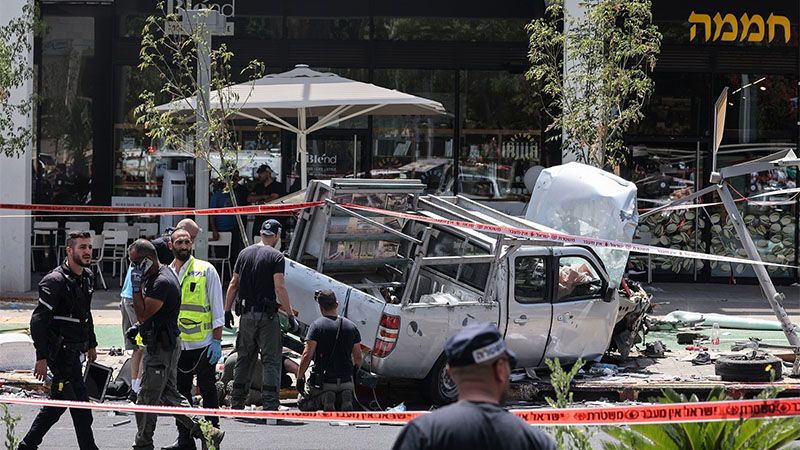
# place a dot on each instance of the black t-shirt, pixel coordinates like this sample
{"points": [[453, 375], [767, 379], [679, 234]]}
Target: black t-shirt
{"points": [[256, 266], [165, 255], [275, 187], [337, 360], [165, 287], [465, 424]]}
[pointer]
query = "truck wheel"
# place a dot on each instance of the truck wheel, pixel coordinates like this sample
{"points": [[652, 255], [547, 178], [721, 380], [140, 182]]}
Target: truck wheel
{"points": [[743, 368], [439, 388]]}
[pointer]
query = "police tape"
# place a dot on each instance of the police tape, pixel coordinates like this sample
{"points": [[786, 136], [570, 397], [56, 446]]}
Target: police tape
{"points": [[514, 231], [607, 415], [146, 211], [749, 200], [564, 238]]}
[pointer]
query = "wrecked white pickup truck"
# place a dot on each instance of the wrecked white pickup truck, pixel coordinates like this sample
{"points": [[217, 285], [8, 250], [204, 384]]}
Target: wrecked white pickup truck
{"points": [[408, 284]]}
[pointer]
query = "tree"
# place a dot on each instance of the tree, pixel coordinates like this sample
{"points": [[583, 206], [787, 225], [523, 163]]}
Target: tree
{"points": [[611, 52], [16, 43], [173, 56]]}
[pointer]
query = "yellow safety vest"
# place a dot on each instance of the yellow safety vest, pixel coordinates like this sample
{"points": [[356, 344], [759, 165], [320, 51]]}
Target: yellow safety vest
{"points": [[195, 319]]}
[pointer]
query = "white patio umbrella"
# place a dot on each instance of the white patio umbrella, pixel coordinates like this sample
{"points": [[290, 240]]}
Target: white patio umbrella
{"points": [[304, 93]]}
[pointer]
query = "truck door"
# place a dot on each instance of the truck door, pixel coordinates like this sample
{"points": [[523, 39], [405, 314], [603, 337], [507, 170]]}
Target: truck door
{"points": [[583, 316], [529, 309]]}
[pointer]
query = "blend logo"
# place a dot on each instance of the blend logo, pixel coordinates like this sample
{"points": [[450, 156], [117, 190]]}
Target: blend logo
{"points": [[225, 7], [322, 159], [753, 28]]}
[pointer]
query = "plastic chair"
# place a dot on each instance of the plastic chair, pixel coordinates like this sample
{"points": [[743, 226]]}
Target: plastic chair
{"points": [[98, 245], [147, 230], [222, 252], [116, 241], [42, 239]]}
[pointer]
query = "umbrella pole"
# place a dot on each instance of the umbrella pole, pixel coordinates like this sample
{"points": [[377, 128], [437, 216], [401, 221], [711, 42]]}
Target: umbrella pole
{"points": [[301, 147]]}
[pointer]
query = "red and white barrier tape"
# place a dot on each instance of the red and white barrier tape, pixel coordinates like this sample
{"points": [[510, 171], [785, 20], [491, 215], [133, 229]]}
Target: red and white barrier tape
{"points": [[544, 235], [140, 211], [566, 238], [607, 415], [749, 200]]}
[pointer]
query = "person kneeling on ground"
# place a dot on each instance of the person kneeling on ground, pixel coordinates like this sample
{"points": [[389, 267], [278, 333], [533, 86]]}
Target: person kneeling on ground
{"points": [[334, 344]]}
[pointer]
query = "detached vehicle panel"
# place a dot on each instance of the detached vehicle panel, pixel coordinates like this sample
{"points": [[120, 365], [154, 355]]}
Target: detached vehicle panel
{"points": [[408, 284]]}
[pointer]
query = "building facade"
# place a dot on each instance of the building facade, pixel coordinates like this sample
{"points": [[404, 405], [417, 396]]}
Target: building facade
{"points": [[469, 55]]}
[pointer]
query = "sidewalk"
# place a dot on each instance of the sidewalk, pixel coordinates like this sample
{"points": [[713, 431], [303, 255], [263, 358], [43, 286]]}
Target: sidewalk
{"points": [[736, 300]]}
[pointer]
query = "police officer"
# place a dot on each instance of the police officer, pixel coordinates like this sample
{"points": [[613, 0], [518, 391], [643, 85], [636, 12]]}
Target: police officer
{"points": [[334, 344], [157, 302], [62, 329], [258, 279], [480, 364], [200, 323]]}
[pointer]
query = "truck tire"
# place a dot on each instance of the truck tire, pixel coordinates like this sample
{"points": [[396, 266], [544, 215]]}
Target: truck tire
{"points": [[438, 387], [742, 368]]}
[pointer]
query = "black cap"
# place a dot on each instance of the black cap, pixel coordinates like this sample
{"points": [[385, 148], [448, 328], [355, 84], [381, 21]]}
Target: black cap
{"points": [[264, 168], [475, 344], [326, 298], [270, 227]]}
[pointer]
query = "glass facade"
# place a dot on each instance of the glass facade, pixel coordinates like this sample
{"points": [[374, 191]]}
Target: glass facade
{"points": [[65, 151], [471, 57], [500, 135]]}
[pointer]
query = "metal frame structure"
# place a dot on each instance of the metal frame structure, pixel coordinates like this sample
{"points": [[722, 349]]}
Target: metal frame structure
{"points": [[719, 180]]}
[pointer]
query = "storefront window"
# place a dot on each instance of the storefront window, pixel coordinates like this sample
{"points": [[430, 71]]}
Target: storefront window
{"points": [[66, 148], [761, 108], [418, 147], [771, 225], [258, 27], [676, 107], [450, 29], [663, 175], [500, 135], [333, 28]]}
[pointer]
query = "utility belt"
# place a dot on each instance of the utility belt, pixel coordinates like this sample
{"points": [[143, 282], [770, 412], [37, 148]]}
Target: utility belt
{"points": [[58, 348], [244, 306], [317, 379], [165, 338]]}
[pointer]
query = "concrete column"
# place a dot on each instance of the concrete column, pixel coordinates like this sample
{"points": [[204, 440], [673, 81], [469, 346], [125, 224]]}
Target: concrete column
{"points": [[16, 187], [573, 12]]}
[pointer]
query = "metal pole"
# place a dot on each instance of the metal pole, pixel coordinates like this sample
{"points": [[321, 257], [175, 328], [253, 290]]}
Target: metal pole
{"points": [[773, 297], [301, 147], [202, 141]]}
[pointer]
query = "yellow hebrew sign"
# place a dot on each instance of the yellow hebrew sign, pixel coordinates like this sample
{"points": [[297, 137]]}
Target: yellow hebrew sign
{"points": [[726, 28]]}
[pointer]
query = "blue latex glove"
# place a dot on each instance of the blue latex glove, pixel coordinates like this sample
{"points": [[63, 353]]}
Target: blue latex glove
{"points": [[127, 287], [214, 351]]}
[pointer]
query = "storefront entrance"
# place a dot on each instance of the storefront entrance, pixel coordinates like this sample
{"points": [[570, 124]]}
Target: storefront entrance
{"points": [[331, 154]]}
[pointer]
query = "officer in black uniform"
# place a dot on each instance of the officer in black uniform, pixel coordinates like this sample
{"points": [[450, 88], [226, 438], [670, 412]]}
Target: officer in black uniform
{"points": [[62, 329], [480, 364]]}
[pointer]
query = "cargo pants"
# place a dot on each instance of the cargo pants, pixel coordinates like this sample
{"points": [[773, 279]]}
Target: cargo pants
{"points": [[67, 385], [327, 398], [259, 333], [160, 368]]}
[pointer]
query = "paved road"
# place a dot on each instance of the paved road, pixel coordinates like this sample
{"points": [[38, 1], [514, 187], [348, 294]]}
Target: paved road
{"points": [[238, 435]]}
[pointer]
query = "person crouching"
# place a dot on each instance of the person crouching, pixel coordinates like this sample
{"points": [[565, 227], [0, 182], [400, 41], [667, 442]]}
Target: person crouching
{"points": [[334, 344]]}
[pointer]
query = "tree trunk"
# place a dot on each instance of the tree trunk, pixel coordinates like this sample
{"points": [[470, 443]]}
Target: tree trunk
{"points": [[239, 222]]}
